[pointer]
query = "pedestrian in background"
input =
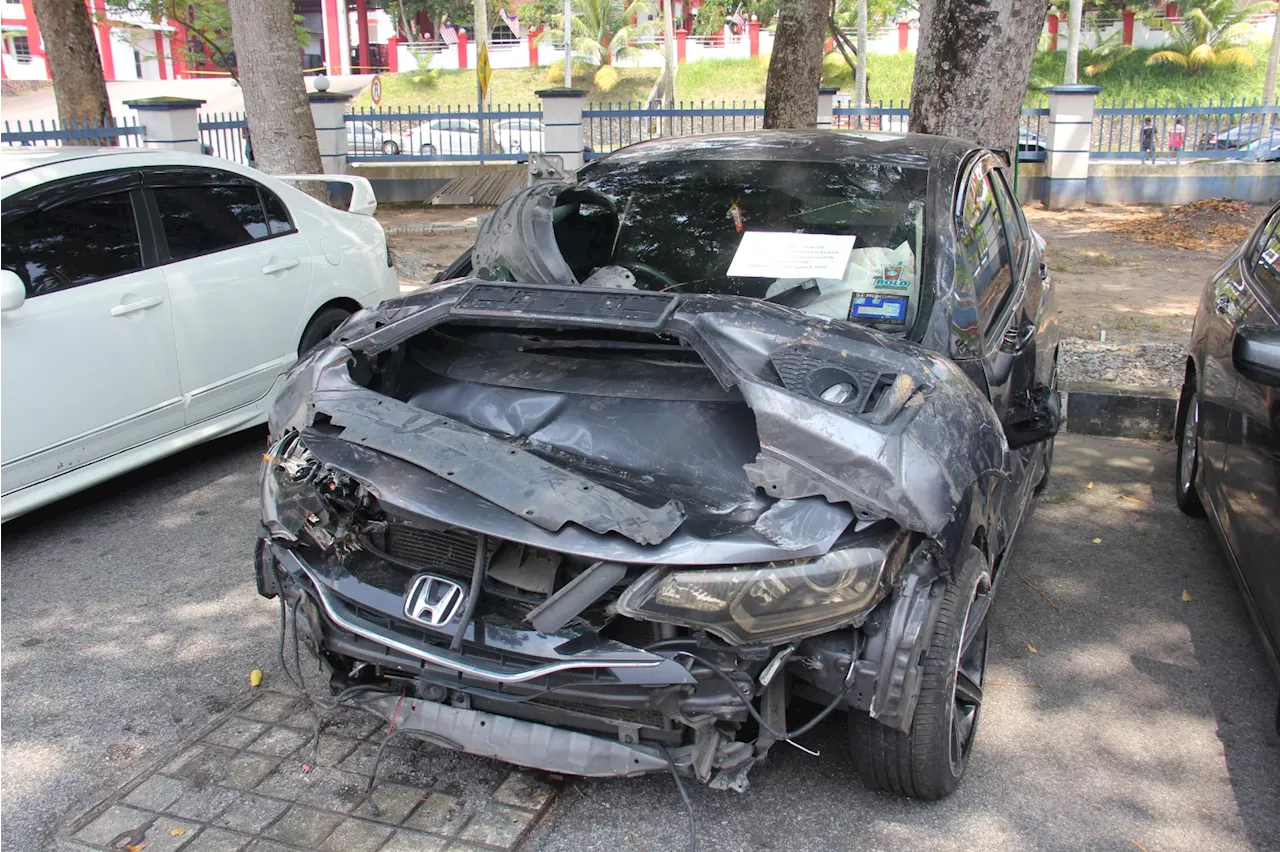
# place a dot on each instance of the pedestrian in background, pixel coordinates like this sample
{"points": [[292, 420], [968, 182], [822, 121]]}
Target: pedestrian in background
{"points": [[1147, 141], [1177, 136]]}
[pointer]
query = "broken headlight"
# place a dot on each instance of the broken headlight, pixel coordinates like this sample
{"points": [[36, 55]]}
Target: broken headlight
{"points": [[770, 603]]}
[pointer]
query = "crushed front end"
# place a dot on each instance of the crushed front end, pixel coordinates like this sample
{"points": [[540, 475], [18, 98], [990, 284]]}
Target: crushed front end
{"points": [[607, 534]]}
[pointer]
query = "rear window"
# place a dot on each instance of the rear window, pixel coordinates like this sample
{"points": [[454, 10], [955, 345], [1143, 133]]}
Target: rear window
{"points": [[200, 220], [679, 224]]}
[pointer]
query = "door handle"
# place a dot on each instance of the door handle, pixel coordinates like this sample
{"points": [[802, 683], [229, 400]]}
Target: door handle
{"points": [[134, 307], [272, 268]]}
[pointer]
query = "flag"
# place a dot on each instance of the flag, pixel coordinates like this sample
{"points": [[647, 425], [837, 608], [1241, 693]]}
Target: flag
{"points": [[738, 19], [512, 22], [449, 34]]}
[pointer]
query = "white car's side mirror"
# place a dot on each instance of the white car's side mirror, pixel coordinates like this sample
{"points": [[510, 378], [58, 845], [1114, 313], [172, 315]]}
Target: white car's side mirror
{"points": [[12, 291]]}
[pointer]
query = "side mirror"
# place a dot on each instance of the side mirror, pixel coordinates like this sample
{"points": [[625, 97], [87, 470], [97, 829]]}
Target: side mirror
{"points": [[1255, 353], [1036, 418], [12, 291]]}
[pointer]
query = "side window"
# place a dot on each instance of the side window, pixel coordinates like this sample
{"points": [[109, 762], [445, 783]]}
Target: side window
{"points": [[984, 249], [1266, 258], [204, 219], [278, 221], [1013, 222], [76, 243]]}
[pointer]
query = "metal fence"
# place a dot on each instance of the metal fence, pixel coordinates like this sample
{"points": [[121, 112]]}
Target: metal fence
{"points": [[224, 134], [445, 134], [1229, 129], [609, 126], [119, 132]]}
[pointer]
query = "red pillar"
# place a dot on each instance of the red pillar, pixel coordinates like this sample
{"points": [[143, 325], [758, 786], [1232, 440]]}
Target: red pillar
{"points": [[1126, 25], [681, 35], [179, 55], [532, 35], [33, 36], [393, 54], [753, 35], [904, 36], [332, 36], [164, 75], [1171, 11], [1053, 32], [362, 24], [99, 12], [462, 49]]}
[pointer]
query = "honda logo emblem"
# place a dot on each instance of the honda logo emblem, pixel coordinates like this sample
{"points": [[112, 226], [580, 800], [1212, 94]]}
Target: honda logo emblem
{"points": [[433, 601]]}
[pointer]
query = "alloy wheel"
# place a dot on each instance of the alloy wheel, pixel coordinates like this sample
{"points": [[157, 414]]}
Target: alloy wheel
{"points": [[1190, 445], [971, 668]]}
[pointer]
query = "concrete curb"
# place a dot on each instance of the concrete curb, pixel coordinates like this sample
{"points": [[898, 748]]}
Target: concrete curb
{"points": [[427, 230], [1120, 411]]}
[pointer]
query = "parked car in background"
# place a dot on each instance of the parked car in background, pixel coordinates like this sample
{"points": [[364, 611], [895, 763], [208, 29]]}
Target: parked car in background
{"points": [[1234, 137], [151, 300], [443, 136], [724, 423], [1228, 423], [363, 137], [516, 135], [1263, 150]]}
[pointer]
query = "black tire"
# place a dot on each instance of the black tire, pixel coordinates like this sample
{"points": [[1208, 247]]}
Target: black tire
{"points": [[390, 148], [929, 762], [1048, 450], [428, 150], [320, 327], [1186, 433]]}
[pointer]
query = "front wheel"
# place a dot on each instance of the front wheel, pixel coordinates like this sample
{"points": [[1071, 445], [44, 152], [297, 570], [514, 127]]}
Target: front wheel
{"points": [[390, 148], [929, 761], [1187, 434], [428, 150]]}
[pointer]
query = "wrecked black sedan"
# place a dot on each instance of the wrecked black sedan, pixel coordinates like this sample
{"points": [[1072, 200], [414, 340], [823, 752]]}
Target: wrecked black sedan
{"points": [[716, 424]]}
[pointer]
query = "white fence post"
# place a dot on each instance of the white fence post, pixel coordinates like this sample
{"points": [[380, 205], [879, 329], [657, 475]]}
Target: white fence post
{"points": [[169, 123], [1070, 137], [826, 106], [562, 124], [329, 110]]}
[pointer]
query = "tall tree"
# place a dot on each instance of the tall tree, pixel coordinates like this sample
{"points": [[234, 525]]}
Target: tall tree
{"points": [[972, 67], [795, 68], [282, 130], [1075, 12], [74, 63], [1269, 84], [860, 73], [1211, 35]]}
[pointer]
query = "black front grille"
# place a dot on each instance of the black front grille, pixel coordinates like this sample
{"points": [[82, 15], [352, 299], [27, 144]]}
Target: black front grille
{"points": [[450, 551]]}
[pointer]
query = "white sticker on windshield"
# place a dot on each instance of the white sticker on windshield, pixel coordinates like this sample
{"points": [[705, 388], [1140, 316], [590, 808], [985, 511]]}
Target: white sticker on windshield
{"points": [[771, 254]]}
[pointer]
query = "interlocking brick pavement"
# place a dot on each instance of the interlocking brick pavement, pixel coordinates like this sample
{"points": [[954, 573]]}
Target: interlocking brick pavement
{"points": [[259, 780]]}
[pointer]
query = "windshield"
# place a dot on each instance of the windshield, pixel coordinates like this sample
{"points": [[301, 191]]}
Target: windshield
{"points": [[681, 225]]}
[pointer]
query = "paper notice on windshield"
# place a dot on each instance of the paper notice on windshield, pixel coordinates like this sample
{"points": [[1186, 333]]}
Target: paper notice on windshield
{"points": [[771, 254]]}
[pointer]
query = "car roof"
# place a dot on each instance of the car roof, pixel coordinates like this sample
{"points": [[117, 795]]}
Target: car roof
{"points": [[20, 159], [817, 146]]}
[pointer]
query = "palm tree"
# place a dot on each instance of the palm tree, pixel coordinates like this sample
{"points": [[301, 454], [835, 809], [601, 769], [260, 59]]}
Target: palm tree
{"points": [[1212, 36], [1109, 51], [603, 33]]}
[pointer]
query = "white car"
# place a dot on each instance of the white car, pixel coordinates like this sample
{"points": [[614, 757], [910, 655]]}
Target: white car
{"points": [[443, 136], [151, 300], [517, 135]]}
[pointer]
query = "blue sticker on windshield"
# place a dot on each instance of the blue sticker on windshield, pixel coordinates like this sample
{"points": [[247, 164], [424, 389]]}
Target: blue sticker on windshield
{"points": [[879, 308]]}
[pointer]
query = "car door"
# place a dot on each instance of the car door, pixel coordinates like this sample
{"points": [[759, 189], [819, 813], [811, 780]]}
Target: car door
{"points": [[1252, 476], [88, 362], [239, 274], [994, 262]]}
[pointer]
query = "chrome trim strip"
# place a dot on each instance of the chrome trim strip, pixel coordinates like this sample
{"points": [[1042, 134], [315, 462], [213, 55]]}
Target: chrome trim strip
{"points": [[447, 662]]}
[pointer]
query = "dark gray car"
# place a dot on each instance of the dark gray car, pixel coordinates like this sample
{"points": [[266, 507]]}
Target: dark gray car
{"points": [[627, 483], [1228, 426]]}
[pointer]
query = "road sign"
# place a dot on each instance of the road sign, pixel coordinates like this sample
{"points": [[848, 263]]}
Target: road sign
{"points": [[375, 89], [483, 70]]}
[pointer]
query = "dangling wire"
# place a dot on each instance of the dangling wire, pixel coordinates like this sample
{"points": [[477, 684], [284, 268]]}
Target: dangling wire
{"points": [[684, 794]]}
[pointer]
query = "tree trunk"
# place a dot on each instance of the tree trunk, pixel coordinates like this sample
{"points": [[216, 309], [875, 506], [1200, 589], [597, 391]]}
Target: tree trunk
{"points": [[860, 77], [668, 64], [972, 67], [1269, 85], [74, 63], [1075, 11], [795, 68], [275, 97]]}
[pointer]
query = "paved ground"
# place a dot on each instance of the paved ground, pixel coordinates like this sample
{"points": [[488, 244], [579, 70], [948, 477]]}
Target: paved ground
{"points": [[130, 625]]}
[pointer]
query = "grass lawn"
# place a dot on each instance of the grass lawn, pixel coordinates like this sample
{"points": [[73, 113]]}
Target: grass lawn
{"points": [[889, 79]]}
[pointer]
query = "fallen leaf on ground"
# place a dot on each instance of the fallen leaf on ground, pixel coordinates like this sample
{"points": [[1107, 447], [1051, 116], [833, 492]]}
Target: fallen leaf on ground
{"points": [[1097, 541], [177, 832], [1130, 499], [138, 848], [1211, 223], [255, 677], [1031, 648], [1090, 485], [1186, 596]]}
